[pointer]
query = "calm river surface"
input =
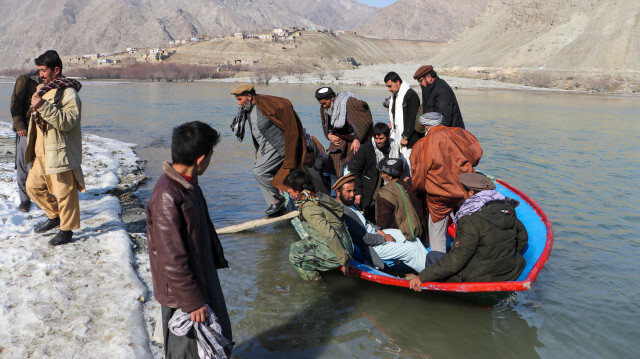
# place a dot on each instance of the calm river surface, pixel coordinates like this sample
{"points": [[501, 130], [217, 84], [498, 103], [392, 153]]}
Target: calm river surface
{"points": [[576, 155]]}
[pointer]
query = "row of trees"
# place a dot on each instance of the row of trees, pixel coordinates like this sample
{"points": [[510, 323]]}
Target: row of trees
{"points": [[263, 75]]}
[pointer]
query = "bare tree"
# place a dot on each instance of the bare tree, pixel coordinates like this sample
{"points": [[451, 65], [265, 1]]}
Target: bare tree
{"points": [[337, 74], [262, 75], [321, 74], [299, 73]]}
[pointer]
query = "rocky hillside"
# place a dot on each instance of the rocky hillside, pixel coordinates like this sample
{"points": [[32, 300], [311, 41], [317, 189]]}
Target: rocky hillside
{"points": [[433, 20], [29, 27], [573, 35], [312, 51]]}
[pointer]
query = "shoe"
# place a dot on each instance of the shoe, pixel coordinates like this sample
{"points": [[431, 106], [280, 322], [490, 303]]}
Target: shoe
{"points": [[48, 225], [63, 237], [24, 206], [275, 208]]}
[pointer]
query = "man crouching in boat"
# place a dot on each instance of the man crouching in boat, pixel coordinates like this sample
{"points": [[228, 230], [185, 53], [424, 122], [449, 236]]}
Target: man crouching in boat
{"points": [[325, 243], [376, 244], [489, 239]]}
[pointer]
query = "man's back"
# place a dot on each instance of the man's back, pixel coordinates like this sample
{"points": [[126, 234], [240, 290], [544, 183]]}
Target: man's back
{"points": [[438, 158], [487, 247], [439, 97]]}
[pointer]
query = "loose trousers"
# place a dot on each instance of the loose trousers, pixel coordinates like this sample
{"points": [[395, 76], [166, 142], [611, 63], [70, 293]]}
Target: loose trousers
{"points": [[411, 253], [266, 167], [437, 234], [56, 194], [308, 256], [22, 169]]}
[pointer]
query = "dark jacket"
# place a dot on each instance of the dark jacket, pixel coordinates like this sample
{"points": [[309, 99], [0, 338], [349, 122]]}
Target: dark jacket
{"points": [[365, 241], [184, 249], [367, 177], [24, 88], [488, 247], [410, 107], [439, 97]]}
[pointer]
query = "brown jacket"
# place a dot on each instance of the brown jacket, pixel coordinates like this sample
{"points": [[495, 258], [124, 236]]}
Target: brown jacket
{"points": [[398, 207], [436, 161], [184, 249], [24, 88], [280, 111]]}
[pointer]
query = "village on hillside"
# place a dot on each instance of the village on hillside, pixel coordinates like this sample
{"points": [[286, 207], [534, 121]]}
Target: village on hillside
{"points": [[280, 38]]}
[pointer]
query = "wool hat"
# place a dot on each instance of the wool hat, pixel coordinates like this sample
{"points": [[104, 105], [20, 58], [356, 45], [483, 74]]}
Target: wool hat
{"points": [[476, 181], [343, 180], [324, 93], [242, 89], [422, 71], [431, 119], [391, 166]]}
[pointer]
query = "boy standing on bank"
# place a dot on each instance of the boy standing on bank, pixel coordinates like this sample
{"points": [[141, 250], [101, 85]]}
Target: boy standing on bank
{"points": [[184, 250]]}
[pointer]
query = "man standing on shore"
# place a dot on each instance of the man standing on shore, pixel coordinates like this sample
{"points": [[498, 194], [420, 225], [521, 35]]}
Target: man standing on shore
{"points": [[24, 88], [403, 113], [55, 148], [437, 96], [278, 138], [184, 250]]}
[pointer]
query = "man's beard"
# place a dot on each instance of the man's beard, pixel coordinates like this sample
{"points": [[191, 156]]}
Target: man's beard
{"points": [[385, 181], [385, 148], [248, 107], [345, 201]]}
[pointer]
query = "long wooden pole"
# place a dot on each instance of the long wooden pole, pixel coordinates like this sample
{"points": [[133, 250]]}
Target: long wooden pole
{"points": [[255, 223]]}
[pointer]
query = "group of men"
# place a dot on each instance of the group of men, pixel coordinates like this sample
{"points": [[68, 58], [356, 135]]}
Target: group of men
{"points": [[399, 182], [46, 112], [397, 185]]}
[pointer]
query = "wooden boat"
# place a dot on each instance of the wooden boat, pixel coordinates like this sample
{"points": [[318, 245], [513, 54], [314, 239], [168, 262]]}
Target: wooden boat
{"points": [[536, 253]]}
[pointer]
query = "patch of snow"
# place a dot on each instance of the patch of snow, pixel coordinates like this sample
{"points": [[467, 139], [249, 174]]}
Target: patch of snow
{"points": [[83, 299]]}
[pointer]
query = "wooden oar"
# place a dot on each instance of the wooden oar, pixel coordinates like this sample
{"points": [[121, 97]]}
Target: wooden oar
{"points": [[255, 223]]}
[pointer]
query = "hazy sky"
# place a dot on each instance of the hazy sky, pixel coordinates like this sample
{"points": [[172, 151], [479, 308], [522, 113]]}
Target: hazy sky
{"points": [[378, 3]]}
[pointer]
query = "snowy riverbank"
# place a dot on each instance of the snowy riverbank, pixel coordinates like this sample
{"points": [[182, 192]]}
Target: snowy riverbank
{"points": [[87, 299]]}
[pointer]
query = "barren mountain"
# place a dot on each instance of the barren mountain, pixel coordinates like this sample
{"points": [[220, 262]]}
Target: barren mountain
{"points": [[29, 27], [433, 20], [574, 35]]}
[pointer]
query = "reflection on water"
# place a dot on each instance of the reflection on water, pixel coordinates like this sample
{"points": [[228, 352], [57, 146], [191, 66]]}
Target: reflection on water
{"points": [[575, 155]]}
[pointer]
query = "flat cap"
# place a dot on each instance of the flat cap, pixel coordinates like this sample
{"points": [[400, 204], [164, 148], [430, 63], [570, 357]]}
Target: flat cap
{"points": [[343, 180], [422, 71], [242, 89], [476, 181], [391, 166]]}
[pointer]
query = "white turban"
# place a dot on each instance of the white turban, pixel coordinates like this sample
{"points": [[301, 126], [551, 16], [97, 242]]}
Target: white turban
{"points": [[431, 119]]}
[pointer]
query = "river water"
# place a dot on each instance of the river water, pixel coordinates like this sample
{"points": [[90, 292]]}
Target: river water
{"points": [[576, 155]]}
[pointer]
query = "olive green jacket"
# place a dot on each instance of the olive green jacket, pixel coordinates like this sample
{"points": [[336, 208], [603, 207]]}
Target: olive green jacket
{"points": [[487, 247], [63, 138], [326, 218]]}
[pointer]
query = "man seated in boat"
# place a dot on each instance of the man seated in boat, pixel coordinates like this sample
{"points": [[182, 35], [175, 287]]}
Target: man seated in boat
{"points": [[325, 243], [396, 204], [311, 171], [375, 244], [489, 239]]}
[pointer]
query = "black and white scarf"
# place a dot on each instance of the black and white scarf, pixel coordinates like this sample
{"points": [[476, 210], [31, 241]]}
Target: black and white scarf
{"points": [[237, 126]]}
